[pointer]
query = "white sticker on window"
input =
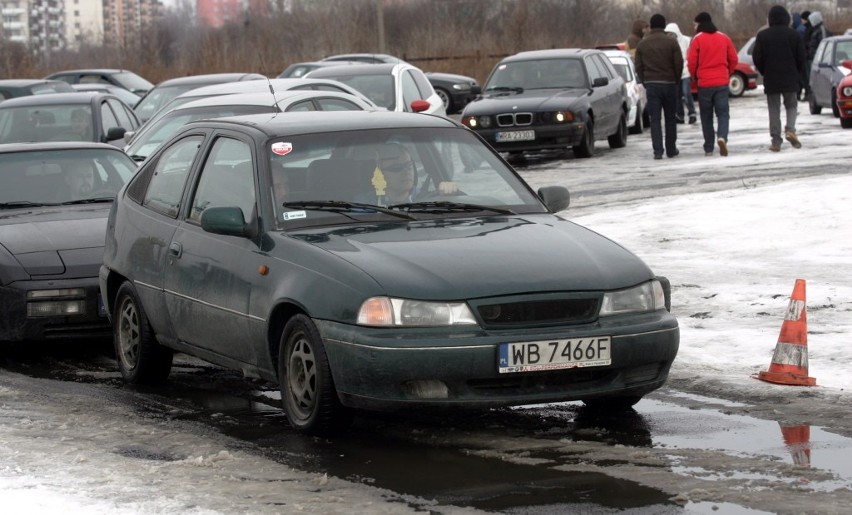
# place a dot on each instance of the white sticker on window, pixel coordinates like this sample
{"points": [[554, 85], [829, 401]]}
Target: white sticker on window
{"points": [[281, 148], [293, 215]]}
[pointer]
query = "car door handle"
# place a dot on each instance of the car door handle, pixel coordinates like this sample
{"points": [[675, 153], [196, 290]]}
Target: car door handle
{"points": [[175, 249]]}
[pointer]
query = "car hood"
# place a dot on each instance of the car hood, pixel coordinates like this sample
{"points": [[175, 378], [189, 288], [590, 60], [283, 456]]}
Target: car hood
{"points": [[530, 99], [25, 231], [462, 259]]}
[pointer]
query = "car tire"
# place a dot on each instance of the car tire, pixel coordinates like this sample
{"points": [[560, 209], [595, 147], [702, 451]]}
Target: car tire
{"points": [[846, 123], [611, 404], [737, 84], [813, 106], [586, 148], [835, 110], [308, 394], [446, 99], [141, 359], [637, 124], [619, 139]]}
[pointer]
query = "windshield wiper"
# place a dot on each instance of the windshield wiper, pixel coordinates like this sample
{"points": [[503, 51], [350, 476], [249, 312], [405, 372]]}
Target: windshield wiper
{"points": [[88, 201], [25, 203], [448, 207], [341, 206]]}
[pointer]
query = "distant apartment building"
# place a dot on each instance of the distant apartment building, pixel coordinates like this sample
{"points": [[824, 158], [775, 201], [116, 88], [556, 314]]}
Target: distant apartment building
{"points": [[216, 13], [40, 24], [124, 21], [84, 22]]}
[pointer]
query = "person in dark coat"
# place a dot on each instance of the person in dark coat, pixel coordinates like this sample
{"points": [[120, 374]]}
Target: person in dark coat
{"points": [[779, 55], [659, 67]]}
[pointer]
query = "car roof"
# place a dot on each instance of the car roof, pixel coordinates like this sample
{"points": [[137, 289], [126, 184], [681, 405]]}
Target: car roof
{"points": [[616, 53], [260, 98], [19, 83], [353, 70], [294, 123], [551, 53], [255, 86], [6, 148], [79, 97], [210, 78], [364, 55], [92, 70]]}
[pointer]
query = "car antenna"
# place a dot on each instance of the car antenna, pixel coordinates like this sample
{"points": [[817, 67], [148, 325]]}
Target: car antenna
{"points": [[269, 82]]}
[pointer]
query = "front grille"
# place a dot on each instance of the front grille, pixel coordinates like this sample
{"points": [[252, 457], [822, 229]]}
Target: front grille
{"points": [[520, 384], [514, 119], [535, 312], [78, 330]]}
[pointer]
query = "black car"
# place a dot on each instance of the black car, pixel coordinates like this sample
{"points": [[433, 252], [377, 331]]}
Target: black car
{"points": [[11, 88], [160, 94], [352, 258], [551, 99], [122, 78], [827, 70], [455, 90], [80, 116], [54, 200]]}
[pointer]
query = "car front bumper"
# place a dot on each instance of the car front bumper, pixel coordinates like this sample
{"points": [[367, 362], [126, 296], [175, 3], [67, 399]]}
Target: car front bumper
{"points": [[546, 137], [396, 369], [17, 326]]}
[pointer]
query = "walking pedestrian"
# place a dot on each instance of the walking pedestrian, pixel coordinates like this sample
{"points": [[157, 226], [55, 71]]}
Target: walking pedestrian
{"points": [[673, 30], [712, 59], [659, 67], [637, 32], [805, 32], [779, 55]]}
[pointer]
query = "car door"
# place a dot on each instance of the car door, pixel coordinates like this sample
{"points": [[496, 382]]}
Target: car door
{"points": [[208, 283], [605, 101], [821, 71]]}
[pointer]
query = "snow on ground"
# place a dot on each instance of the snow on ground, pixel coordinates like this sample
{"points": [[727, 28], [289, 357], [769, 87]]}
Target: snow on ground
{"points": [[732, 256]]}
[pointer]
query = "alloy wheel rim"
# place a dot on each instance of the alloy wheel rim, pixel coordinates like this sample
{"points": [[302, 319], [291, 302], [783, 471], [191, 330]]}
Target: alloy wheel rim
{"points": [[128, 334], [301, 378]]}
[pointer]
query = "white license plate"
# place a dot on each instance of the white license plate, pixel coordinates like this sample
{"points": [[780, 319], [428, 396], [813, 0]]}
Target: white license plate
{"points": [[502, 137], [553, 355]]}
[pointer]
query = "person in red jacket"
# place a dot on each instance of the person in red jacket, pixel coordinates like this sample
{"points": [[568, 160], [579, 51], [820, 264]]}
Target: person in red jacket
{"points": [[711, 61]]}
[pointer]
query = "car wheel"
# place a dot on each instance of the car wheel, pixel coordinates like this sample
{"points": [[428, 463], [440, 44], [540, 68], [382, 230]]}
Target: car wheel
{"points": [[846, 123], [446, 99], [835, 110], [814, 107], [737, 84], [308, 394], [637, 124], [619, 139], [586, 148], [622, 403], [141, 359]]}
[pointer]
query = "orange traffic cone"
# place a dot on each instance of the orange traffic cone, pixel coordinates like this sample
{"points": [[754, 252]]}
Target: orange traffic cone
{"points": [[790, 360], [797, 439]]}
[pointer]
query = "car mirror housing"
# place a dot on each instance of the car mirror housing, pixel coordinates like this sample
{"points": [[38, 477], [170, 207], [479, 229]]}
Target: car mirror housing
{"points": [[600, 81], [418, 106], [115, 133], [555, 198], [224, 220]]}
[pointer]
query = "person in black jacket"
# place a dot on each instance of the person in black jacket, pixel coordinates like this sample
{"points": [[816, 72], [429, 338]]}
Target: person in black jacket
{"points": [[779, 55]]}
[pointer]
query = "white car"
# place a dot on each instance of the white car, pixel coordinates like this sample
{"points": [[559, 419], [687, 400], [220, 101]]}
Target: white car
{"points": [[638, 101], [398, 87], [149, 138]]}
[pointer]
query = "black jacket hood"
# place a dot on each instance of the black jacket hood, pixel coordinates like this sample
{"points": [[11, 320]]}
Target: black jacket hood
{"points": [[778, 15]]}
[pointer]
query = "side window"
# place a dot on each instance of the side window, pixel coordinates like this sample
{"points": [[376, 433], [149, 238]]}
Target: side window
{"points": [[605, 66], [93, 79], [108, 119], [169, 176], [423, 84], [410, 92], [823, 53], [120, 112], [593, 70], [337, 104], [304, 105], [227, 179]]}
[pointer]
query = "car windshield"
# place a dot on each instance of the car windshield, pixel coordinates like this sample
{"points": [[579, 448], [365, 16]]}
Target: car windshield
{"points": [[842, 52], [378, 88], [132, 82], [161, 129], [623, 69], [537, 74], [427, 172], [58, 122], [62, 176], [157, 98]]}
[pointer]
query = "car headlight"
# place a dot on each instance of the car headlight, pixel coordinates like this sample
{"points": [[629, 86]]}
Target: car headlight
{"points": [[461, 87], [562, 117], [648, 296], [387, 311], [477, 122], [847, 91]]}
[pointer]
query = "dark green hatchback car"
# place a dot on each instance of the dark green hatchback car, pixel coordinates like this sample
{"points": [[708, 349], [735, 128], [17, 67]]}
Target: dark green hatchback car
{"points": [[374, 260]]}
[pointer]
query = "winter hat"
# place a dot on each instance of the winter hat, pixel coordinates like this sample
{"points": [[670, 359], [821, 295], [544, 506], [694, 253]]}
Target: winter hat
{"points": [[658, 21], [805, 14], [703, 17]]}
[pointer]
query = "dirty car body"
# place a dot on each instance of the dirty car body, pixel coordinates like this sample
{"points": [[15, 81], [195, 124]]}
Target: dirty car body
{"points": [[347, 299]]}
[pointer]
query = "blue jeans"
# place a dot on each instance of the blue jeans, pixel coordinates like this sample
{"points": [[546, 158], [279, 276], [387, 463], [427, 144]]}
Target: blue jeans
{"points": [[710, 101], [662, 101], [685, 98]]}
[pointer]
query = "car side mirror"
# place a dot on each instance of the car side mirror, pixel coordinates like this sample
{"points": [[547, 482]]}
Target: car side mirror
{"points": [[846, 63], [600, 81], [476, 90], [128, 136], [418, 106], [115, 133], [224, 220], [555, 198]]}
